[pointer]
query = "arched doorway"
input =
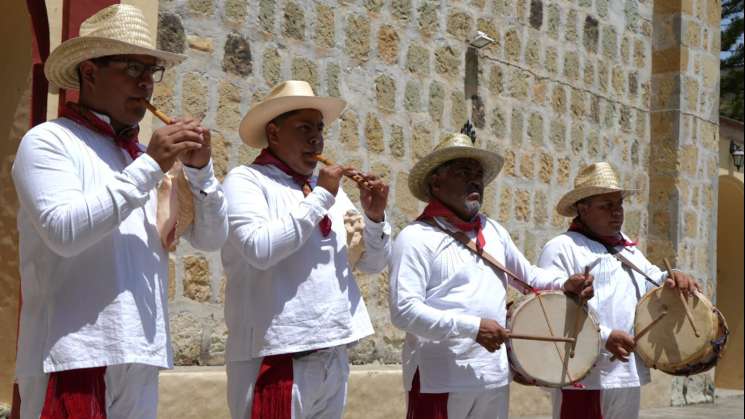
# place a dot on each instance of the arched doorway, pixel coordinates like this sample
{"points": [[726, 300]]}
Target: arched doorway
{"points": [[730, 278]]}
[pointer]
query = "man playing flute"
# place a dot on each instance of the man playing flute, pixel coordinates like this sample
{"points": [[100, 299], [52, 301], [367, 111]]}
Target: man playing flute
{"points": [[292, 305], [94, 318]]}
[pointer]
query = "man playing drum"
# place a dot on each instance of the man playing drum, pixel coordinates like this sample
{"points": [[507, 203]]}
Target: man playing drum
{"points": [[622, 275], [450, 303], [94, 319], [292, 305]]}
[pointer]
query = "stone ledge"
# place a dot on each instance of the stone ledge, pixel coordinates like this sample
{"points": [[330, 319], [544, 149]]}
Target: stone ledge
{"points": [[375, 392]]}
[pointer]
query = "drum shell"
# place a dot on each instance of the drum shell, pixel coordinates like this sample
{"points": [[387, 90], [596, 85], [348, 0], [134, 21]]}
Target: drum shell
{"points": [[561, 310], [671, 345]]}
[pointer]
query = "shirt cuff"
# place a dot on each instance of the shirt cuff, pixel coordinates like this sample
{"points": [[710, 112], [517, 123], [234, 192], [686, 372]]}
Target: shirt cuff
{"points": [[145, 172], [380, 229], [663, 277], [468, 326], [322, 197], [202, 181], [604, 333]]}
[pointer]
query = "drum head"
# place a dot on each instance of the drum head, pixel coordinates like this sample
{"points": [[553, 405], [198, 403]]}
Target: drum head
{"points": [[541, 362], [671, 343]]}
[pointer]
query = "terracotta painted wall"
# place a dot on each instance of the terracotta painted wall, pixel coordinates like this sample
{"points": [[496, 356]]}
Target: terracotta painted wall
{"points": [[15, 71]]}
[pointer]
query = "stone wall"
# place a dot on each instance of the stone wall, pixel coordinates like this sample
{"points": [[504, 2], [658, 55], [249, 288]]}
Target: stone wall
{"points": [[684, 167], [567, 82]]}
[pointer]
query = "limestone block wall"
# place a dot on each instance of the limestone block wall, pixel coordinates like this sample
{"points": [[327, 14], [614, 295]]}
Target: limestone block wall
{"points": [[566, 83]]}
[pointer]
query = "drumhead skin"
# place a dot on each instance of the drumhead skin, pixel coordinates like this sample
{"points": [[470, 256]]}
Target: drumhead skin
{"points": [[538, 362], [671, 344]]}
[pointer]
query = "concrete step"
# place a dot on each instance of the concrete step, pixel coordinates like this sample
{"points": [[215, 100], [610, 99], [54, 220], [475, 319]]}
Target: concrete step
{"points": [[375, 392]]}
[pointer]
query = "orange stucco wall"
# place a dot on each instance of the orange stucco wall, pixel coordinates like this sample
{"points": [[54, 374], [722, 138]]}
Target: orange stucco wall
{"points": [[15, 24]]}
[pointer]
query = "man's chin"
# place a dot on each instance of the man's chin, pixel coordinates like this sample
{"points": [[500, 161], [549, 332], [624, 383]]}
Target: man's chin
{"points": [[473, 208]]}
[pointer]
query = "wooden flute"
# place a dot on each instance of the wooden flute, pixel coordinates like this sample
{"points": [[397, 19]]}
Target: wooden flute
{"points": [[163, 117], [357, 178]]}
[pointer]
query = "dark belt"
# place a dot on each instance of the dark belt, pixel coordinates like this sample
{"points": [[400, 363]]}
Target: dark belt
{"points": [[303, 354]]}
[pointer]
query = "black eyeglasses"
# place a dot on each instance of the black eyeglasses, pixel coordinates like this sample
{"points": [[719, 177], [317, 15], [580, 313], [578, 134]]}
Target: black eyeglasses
{"points": [[136, 69]]}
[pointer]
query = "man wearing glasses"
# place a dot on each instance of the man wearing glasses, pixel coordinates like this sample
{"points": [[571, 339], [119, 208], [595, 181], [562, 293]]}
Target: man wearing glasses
{"points": [[93, 325]]}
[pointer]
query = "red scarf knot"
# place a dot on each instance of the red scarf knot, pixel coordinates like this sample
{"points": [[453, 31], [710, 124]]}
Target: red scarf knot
{"points": [[435, 208], [126, 139], [613, 241], [267, 158]]}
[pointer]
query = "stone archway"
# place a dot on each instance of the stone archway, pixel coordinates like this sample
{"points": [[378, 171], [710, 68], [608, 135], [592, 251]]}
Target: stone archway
{"points": [[730, 278]]}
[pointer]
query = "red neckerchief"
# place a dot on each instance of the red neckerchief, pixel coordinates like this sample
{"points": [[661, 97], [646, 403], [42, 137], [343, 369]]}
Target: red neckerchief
{"points": [[266, 157], [435, 208], [612, 241], [127, 139]]}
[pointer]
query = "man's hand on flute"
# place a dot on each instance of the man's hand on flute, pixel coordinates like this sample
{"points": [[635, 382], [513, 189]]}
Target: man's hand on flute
{"points": [[185, 136], [373, 195]]}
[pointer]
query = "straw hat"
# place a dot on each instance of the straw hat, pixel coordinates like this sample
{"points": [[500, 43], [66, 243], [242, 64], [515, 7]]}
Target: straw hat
{"points": [[119, 29], [454, 146], [595, 179], [287, 96]]}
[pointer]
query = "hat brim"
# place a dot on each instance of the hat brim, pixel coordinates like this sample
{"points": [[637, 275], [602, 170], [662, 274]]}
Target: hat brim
{"points": [[566, 208], [490, 161], [252, 129], [61, 68]]}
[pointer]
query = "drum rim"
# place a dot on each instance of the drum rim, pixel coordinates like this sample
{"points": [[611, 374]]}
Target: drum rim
{"points": [[517, 366], [712, 358], [672, 366]]}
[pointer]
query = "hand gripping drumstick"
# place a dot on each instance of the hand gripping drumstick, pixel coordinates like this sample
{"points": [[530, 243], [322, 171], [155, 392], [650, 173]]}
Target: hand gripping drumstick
{"points": [[683, 301], [646, 329], [357, 178]]}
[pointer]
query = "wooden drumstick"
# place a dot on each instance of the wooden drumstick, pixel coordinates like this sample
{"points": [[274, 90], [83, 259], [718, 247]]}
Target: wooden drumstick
{"points": [[577, 323], [646, 329], [541, 338], [683, 301], [163, 117], [356, 178]]}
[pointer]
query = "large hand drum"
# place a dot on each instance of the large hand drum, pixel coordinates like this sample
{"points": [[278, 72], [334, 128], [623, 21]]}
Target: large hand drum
{"points": [[671, 345], [549, 363]]}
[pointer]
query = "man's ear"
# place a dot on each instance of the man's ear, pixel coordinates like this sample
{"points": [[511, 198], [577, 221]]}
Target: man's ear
{"points": [[581, 208], [433, 182], [87, 72], [272, 133]]}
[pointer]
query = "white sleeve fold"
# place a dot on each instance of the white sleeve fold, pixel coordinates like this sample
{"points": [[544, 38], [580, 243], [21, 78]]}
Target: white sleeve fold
{"points": [[210, 228], [410, 270], [263, 240], [50, 189]]}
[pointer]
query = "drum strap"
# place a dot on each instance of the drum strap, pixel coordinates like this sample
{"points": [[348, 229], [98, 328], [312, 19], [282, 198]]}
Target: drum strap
{"points": [[616, 253], [483, 254]]}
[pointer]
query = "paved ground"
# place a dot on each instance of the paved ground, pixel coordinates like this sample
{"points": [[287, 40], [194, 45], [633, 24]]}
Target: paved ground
{"points": [[724, 408]]}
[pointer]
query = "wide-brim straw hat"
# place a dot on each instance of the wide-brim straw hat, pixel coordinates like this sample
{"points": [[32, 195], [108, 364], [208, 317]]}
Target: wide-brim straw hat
{"points": [[454, 146], [119, 29], [595, 179], [290, 95]]}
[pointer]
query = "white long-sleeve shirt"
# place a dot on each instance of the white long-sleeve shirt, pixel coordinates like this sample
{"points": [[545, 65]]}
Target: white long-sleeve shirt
{"points": [[93, 272], [289, 288], [440, 291], [614, 302]]}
